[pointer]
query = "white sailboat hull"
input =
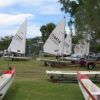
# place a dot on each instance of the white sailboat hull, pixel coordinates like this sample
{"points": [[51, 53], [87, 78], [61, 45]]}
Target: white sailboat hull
{"points": [[5, 83], [17, 58], [20, 58], [89, 90], [94, 75], [71, 58]]}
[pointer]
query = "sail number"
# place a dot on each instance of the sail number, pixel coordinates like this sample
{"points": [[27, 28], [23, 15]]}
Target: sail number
{"points": [[17, 37], [55, 39]]}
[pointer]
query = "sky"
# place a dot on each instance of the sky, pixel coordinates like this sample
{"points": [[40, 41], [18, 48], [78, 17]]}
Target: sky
{"points": [[38, 13]]}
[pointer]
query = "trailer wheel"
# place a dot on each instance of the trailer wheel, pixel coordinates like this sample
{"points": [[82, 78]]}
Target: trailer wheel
{"points": [[45, 63], [52, 65], [91, 66], [51, 77]]}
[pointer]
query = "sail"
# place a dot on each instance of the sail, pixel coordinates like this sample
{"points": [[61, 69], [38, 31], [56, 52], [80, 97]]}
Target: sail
{"points": [[18, 42], [54, 44], [82, 48], [68, 45]]}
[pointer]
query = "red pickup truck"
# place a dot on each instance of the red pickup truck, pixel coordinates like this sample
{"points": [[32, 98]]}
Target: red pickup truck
{"points": [[89, 62]]}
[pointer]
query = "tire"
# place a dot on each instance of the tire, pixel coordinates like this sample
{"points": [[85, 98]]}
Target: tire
{"points": [[73, 61], [51, 77], [45, 64], [91, 66], [52, 65]]}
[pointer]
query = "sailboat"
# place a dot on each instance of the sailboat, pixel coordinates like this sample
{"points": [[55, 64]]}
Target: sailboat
{"points": [[81, 50], [6, 80], [57, 44], [54, 43], [17, 46]]}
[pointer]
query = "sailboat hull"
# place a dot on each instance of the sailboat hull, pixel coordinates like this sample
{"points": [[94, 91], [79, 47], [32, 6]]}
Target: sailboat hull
{"points": [[72, 75], [89, 90], [21, 58], [59, 63], [5, 81], [17, 58]]}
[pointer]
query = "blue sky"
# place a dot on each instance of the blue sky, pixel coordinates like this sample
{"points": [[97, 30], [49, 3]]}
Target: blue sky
{"points": [[37, 12]]}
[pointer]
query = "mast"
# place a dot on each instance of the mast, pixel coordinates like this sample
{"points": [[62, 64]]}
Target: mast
{"points": [[71, 33], [63, 39], [88, 44]]}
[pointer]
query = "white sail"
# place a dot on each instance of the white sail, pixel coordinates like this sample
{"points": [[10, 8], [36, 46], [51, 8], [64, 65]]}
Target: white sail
{"points": [[54, 44], [18, 42], [82, 48], [68, 45]]}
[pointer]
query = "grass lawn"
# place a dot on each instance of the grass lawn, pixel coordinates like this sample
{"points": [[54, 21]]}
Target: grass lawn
{"points": [[31, 83]]}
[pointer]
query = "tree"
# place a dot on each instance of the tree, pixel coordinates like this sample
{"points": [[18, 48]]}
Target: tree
{"points": [[86, 15], [46, 30], [33, 46], [70, 6], [4, 42]]}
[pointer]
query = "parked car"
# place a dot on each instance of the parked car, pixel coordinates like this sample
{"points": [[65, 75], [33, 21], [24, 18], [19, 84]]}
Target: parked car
{"points": [[92, 54], [98, 56]]}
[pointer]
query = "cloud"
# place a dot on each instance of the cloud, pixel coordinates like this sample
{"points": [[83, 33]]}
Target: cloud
{"points": [[22, 2], [7, 32], [13, 13], [31, 2], [50, 7], [46, 7], [38, 3], [33, 31], [7, 2], [10, 23], [8, 19], [50, 10]]}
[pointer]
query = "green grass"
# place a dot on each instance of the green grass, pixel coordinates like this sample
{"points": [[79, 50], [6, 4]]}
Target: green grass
{"points": [[31, 83], [42, 90]]}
